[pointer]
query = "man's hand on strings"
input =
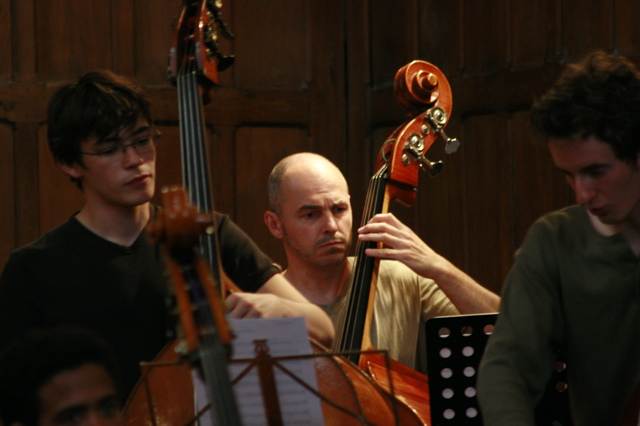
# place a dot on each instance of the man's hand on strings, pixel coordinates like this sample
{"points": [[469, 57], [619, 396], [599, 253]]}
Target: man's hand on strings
{"points": [[402, 244]]}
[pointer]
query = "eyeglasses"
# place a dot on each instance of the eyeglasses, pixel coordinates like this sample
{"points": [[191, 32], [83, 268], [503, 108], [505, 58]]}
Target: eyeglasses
{"points": [[143, 143]]}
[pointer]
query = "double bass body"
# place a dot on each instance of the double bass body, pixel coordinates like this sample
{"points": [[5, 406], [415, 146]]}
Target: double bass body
{"points": [[164, 395]]}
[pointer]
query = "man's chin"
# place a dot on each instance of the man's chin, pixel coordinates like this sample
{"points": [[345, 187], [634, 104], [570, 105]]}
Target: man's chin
{"points": [[334, 259]]}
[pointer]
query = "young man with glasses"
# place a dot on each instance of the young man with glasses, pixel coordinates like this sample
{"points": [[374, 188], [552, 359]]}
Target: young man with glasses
{"points": [[97, 269]]}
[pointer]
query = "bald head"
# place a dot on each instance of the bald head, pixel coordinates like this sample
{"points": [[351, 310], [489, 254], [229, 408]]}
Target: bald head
{"points": [[305, 164], [310, 212]]}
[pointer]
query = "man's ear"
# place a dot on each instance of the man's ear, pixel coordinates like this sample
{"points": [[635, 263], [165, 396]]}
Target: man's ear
{"points": [[72, 170], [274, 224]]}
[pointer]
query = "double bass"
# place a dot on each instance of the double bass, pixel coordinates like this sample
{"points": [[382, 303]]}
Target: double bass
{"points": [[164, 395], [421, 88]]}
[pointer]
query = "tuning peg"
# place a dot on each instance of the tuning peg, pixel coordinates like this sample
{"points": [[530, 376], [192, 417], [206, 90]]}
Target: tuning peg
{"points": [[436, 118], [433, 167], [451, 144]]}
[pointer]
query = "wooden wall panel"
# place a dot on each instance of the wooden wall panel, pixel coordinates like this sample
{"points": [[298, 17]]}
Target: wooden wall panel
{"points": [[222, 146], [262, 148], [7, 193], [586, 26], [440, 33], [485, 24], [72, 38], [6, 49], [122, 37], [147, 29], [394, 39], [358, 147], [272, 44], [627, 36], [168, 159], [530, 34], [327, 61], [441, 205], [23, 41], [488, 209], [538, 187]]}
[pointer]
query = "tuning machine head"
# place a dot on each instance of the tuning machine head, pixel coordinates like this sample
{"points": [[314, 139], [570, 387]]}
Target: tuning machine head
{"points": [[413, 149], [435, 119]]}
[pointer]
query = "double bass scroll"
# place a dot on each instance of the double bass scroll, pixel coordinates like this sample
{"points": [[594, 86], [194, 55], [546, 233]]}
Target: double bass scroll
{"points": [[424, 91]]}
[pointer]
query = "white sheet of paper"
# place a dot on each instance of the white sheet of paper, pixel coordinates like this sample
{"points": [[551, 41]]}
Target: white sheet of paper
{"points": [[285, 337]]}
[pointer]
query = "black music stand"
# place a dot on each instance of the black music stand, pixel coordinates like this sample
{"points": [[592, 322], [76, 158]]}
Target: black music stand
{"points": [[455, 345]]}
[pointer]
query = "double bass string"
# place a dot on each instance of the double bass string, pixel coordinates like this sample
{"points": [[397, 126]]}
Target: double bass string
{"points": [[349, 335], [195, 171], [195, 175], [211, 350]]}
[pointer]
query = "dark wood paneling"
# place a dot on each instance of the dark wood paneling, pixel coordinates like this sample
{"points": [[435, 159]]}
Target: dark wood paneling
{"points": [[6, 48], [529, 32], [72, 38], [394, 38], [149, 39], [627, 36], [441, 205], [538, 187], [586, 26], [488, 189], [261, 148], [359, 146], [223, 168], [440, 32], [123, 36], [485, 24], [7, 193], [271, 44], [327, 97], [168, 159]]}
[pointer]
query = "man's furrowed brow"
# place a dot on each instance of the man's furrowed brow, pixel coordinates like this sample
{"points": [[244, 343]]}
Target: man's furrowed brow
{"points": [[308, 207]]}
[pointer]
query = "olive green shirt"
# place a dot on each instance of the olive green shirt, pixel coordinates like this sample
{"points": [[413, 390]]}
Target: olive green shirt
{"points": [[570, 291]]}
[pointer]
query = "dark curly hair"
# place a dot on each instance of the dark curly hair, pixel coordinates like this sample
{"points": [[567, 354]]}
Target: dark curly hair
{"points": [[598, 96], [33, 360]]}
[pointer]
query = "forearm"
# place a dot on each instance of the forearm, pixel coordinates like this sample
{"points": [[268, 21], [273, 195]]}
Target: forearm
{"points": [[319, 324], [293, 303], [468, 296]]}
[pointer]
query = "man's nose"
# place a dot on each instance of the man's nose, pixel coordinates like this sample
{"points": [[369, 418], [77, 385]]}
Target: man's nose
{"points": [[330, 224], [130, 156], [583, 188]]}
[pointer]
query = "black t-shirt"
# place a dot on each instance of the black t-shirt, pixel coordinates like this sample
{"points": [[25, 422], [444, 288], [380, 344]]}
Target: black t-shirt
{"points": [[72, 276]]}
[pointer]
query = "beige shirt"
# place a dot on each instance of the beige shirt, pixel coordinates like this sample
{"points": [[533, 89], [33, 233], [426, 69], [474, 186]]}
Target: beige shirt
{"points": [[404, 300]]}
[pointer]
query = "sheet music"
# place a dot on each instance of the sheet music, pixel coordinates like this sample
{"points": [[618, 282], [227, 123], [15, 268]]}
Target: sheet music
{"points": [[285, 337]]}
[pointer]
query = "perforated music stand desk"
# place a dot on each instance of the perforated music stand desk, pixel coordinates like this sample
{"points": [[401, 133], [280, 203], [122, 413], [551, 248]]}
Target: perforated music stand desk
{"points": [[455, 345]]}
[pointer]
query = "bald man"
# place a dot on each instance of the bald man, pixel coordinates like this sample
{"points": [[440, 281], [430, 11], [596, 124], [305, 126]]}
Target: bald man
{"points": [[310, 212]]}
